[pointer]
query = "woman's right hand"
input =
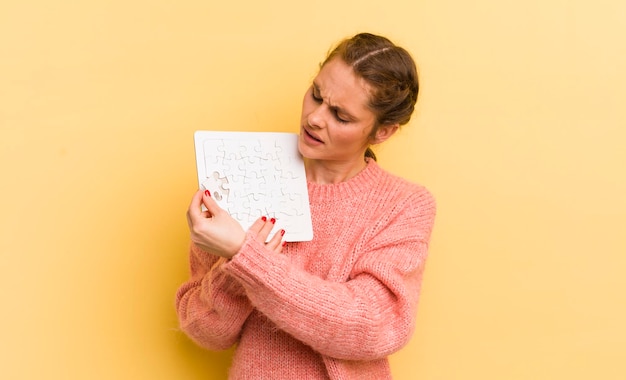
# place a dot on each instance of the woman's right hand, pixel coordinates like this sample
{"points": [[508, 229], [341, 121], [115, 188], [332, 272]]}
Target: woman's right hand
{"points": [[215, 231]]}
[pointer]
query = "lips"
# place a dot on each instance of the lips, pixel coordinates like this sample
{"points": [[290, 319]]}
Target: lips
{"points": [[312, 135]]}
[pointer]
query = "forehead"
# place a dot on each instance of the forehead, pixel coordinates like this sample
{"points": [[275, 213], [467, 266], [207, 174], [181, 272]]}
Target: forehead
{"points": [[340, 86]]}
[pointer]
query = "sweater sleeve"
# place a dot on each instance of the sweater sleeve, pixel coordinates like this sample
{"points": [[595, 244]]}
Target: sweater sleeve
{"points": [[366, 317], [211, 306]]}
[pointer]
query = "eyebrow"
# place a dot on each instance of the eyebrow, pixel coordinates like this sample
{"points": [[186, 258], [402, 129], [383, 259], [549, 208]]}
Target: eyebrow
{"points": [[345, 114]]}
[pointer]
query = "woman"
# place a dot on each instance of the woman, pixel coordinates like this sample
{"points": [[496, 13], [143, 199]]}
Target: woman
{"points": [[337, 306]]}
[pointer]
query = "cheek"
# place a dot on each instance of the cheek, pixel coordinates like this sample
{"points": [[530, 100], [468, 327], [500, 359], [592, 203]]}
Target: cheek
{"points": [[353, 137], [305, 107], [306, 104]]}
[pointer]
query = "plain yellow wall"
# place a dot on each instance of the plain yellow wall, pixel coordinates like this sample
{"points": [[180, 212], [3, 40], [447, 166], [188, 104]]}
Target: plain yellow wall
{"points": [[520, 133]]}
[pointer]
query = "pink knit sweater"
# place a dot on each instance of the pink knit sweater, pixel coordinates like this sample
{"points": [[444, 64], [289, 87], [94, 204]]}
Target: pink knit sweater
{"points": [[331, 308]]}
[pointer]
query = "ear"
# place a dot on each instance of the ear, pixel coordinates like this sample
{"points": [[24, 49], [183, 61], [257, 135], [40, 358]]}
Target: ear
{"points": [[384, 132]]}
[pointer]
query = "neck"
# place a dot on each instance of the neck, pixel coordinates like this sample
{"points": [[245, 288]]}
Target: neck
{"points": [[331, 172]]}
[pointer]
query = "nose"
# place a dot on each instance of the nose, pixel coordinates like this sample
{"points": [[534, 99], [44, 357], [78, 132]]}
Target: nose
{"points": [[316, 118]]}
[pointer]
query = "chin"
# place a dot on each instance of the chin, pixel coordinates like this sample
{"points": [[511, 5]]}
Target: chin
{"points": [[305, 151], [302, 148]]}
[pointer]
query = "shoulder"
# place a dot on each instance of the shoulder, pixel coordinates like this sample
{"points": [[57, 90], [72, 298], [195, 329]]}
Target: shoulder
{"points": [[402, 189], [403, 212], [402, 206]]}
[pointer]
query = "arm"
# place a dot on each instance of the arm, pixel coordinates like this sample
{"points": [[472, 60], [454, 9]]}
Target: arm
{"points": [[366, 317], [211, 306]]}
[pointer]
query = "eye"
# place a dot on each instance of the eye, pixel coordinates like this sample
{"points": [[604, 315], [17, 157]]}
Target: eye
{"points": [[315, 96], [318, 99], [343, 121]]}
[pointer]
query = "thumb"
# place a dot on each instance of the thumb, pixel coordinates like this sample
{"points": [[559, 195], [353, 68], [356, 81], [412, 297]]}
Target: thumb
{"points": [[210, 203]]}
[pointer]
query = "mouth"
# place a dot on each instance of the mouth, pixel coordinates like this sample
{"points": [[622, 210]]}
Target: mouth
{"points": [[312, 136]]}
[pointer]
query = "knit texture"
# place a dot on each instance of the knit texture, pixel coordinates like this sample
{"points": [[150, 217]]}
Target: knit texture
{"points": [[332, 308]]}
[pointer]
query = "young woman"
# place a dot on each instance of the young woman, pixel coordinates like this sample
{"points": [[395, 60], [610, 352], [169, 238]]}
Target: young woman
{"points": [[337, 306]]}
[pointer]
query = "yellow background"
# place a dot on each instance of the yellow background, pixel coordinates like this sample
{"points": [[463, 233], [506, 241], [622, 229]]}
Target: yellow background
{"points": [[520, 133]]}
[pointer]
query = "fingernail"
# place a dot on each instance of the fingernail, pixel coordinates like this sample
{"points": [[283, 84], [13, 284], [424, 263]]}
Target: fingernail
{"points": [[273, 220], [284, 243], [282, 232], [263, 218], [207, 193]]}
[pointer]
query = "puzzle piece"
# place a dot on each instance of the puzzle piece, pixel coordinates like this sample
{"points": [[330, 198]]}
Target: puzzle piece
{"points": [[254, 183], [267, 150], [217, 184], [249, 148], [212, 156]]}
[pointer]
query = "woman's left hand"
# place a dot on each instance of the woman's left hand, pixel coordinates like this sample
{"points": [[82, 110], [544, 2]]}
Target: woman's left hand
{"points": [[214, 230]]}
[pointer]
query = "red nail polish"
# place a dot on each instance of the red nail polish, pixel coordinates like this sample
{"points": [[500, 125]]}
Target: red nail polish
{"points": [[263, 218], [207, 193], [282, 232], [273, 220], [284, 243]]}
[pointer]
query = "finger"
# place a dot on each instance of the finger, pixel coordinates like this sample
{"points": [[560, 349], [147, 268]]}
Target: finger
{"points": [[194, 211], [211, 205], [266, 229], [258, 225], [275, 244]]}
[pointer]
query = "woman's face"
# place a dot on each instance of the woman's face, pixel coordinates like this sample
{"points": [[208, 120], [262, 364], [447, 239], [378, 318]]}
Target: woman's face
{"points": [[336, 122]]}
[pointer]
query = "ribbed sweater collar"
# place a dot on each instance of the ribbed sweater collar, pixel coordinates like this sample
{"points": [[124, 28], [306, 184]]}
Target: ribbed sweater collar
{"points": [[363, 182]]}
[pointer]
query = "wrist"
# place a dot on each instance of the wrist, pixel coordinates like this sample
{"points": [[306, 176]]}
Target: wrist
{"points": [[237, 245]]}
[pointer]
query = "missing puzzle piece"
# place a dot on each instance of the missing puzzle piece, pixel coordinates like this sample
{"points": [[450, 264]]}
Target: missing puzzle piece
{"points": [[218, 185]]}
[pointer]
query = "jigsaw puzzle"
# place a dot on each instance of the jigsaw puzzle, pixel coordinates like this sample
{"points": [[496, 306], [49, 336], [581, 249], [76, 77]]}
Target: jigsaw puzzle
{"points": [[252, 174]]}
